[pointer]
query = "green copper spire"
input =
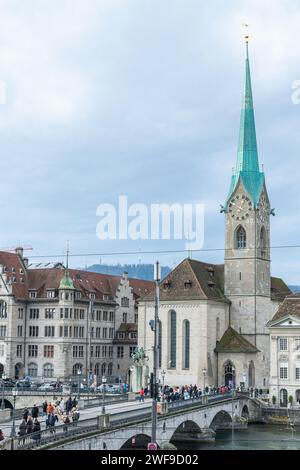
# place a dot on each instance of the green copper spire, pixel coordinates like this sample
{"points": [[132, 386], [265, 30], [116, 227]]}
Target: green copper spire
{"points": [[247, 165], [66, 281]]}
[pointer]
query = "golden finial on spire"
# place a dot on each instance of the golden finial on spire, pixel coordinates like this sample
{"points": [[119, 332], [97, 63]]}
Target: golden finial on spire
{"points": [[247, 37]]}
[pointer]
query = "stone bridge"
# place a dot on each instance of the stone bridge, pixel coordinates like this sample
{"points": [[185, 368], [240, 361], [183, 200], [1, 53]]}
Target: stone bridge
{"points": [[188, 422]]}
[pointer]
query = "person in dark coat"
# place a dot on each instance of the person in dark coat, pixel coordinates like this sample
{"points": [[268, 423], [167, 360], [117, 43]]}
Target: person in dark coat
{"points": [[1, 435], [69, 405], [67, 423], [35, 412], [25, 414], [36, 430], [45, 405], [52, 421], [29, 429]]}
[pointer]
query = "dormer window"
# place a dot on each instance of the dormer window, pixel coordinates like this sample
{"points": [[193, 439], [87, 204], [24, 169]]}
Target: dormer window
{"points": [[211, 284], [188, 284], [32, 294], [78, 295], [92, 296], [167, 285], [21, 271], [13, 270], [22, 280], [14, 279], [105, 297], [4, 269], [211, 270], [50, 294]]}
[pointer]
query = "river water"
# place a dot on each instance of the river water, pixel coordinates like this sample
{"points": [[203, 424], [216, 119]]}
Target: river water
{"points": [[256, 437]]}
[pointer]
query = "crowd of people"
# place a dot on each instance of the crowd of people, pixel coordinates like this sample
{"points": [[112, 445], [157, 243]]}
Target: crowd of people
{"points": [[188, 392], [62, 412]]}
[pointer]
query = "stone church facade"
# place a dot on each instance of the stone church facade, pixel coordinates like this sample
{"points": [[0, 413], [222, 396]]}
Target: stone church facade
{"points": [[213, 318]]}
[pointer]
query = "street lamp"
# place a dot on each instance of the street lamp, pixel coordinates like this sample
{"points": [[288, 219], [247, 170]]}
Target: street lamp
{"points": [[13, 429], [79, 374], [103, 404]]}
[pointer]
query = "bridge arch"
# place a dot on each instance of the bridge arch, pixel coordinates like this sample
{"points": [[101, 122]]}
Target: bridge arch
{"points": [[222, 419], [7, 404], [138, 441], [185, 431]]}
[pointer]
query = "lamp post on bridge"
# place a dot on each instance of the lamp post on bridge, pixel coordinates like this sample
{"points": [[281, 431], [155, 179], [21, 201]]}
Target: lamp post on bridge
{"points": [[13, 429]]}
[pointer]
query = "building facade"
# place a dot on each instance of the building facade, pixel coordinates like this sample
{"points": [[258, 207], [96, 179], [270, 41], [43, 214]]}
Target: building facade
{"points": [[58, 323], [285, 352], [217, 315]]}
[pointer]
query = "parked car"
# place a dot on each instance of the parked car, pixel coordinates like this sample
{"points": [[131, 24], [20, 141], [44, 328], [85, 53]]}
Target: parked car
{"points": [[8, 383], [23, 384], [47, 387], [109, 388]]}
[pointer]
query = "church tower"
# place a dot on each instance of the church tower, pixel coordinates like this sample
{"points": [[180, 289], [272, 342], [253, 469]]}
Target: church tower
{"points": [[247, 246]]}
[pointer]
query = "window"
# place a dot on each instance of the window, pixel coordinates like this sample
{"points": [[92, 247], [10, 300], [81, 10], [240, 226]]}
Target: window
{"points": [[111, 333], [136, 318], [120, 353], [131, 350], [32, 294], [49, 313], [78, 295], [50, 294], [33, 331], [92, 332], [76, 314], [124, 317], [78, 351], [92, 296], [60, 331], [20, 313], [240, 238], [121, 335], [105, 297], [297, 343], [81, 332], [76, 331], [98, 351], [2, 331], [34, 314], [97, 369], [48, 370], [172, 338], [2, 350], [104, 333], [32, 350], [111, 316], [49, 331], [49, 351], [19, 350], [124, 302], [105, 316], [133, 335], [32, 370], [283, 370], [103, 369], [283, 344], [110, 352], [110, 368], [297, 372], [218, 329], [98, 315], [98, 331], [66, 331], [92, 351], [19, 331], [81, 314], [3, 309], [186, 344], [262, 242], [76, 368], [104, 351]]}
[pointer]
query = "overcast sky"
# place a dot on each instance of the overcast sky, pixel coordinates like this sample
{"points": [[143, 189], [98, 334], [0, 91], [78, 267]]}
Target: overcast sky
{"points": [[142, 98]]}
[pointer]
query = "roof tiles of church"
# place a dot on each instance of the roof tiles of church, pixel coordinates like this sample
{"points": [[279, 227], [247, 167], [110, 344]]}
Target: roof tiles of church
{"points": [[247, 163], [195, 280], [233, 342]]}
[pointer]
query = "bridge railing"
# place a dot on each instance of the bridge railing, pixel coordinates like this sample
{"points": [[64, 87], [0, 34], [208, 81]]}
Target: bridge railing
{"points": [[201, 401]]}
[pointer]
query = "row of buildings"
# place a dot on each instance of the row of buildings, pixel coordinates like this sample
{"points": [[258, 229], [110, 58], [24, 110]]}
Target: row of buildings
{"points": [[231, 323]]}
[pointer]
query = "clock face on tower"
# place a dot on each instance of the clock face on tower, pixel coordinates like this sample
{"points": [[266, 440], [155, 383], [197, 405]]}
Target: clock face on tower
{"points": [[263, 209], [240, 207]]}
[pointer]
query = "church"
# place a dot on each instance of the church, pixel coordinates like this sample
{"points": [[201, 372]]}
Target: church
{"points": [[213, 318]]}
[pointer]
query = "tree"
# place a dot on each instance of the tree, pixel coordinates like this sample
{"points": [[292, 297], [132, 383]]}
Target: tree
{"points": [[290, 400], [273, 399]]}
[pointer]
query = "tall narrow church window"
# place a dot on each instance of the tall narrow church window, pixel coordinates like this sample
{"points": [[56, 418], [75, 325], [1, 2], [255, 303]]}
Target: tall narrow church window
{"points": [[218, 329], [172, 339], [186, 344], [241, 238], [262, 243]]}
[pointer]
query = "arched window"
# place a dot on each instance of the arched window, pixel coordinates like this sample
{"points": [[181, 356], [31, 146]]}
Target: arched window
{"points": [[218, 329], [76, 368], [97, 369], [110, 368], [3, 309], [241, 238], [186, 345], [48, 370], [32, 369], [251, 377], [103, 369], [262, 242], [172, 339]]}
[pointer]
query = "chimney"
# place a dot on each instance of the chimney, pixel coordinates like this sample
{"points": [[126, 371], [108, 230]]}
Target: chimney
{"points": [[125, 275], [26, 262]]}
